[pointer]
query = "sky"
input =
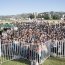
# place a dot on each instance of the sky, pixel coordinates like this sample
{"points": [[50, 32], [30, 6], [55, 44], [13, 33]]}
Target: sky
{"points": [[12, 7]]}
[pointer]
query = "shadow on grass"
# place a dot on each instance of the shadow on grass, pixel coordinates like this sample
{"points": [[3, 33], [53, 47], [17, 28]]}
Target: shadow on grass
{"points": [[22, 61]]}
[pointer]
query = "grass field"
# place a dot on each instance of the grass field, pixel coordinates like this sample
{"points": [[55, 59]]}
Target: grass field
{"points": [[17, 62], [54, 61], [49, 61]]}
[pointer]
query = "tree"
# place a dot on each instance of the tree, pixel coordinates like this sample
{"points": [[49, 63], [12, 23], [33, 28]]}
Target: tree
{"points": [[39, 16], [46, 16], [31, 16], [55, 17]]}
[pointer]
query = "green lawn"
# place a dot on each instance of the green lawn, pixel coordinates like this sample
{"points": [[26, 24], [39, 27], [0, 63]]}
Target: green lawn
{"points": [[54, 61], [49, 61], [17, 62]]}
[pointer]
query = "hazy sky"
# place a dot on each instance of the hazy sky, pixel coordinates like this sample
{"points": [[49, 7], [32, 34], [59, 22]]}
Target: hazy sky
{"points": [[9, 7]]}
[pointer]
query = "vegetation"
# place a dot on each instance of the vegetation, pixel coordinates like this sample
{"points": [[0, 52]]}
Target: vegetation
{"points": [[45, 15], [54, 61], [17, 62], [31, 16], [55, 17], [49, 61]]}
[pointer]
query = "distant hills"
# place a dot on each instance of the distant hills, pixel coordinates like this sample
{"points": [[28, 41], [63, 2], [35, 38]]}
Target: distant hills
{"points": [[45, 15]]}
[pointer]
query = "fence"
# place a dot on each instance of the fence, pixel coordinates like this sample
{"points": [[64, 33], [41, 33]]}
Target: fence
{"points": [[16, 51], [58, 48]]}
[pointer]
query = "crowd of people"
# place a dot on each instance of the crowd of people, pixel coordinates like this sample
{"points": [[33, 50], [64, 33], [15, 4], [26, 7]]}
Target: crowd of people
{"points": [[33, 33]]}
